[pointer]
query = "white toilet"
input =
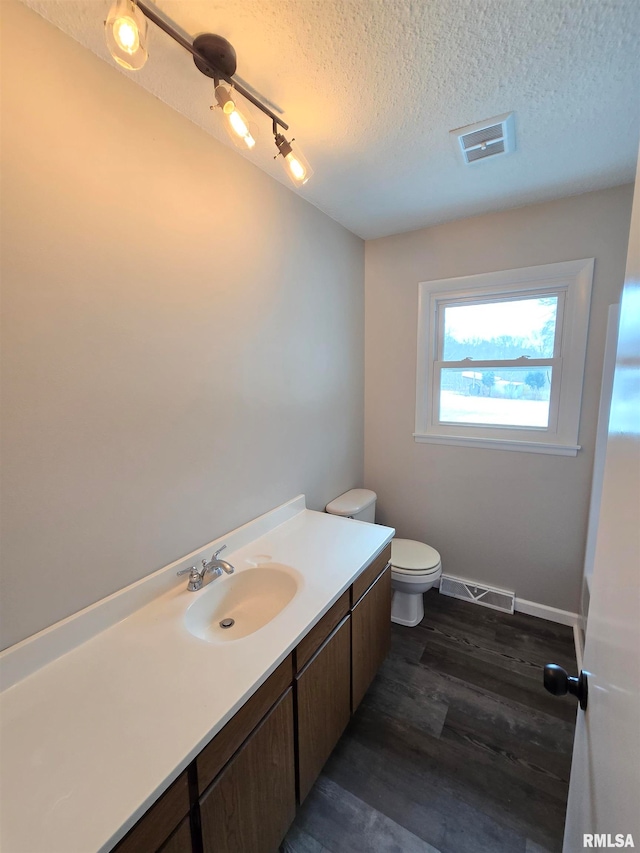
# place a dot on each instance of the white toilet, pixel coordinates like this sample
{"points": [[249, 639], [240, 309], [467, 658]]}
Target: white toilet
{"points": [[415, 566]]}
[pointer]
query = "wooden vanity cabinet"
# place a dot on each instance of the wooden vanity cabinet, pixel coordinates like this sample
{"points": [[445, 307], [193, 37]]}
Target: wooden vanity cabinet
{"points": [[370, 635], [323, 693], [252, 803]]}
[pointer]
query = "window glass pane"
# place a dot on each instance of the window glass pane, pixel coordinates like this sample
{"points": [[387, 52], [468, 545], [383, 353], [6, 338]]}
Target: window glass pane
{"points": [[518, 396], [505, 329]]}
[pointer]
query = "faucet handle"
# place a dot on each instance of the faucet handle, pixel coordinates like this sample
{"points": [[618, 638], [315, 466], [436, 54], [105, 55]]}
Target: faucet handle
{"points": [[219, 551], [191, 570]]}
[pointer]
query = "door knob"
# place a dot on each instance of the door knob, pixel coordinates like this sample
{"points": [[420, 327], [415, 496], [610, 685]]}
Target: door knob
{"points": [[558, 682]]}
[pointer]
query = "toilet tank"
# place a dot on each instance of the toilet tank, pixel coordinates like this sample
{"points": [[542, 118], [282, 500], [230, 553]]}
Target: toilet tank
{"points": [[356, 503]]}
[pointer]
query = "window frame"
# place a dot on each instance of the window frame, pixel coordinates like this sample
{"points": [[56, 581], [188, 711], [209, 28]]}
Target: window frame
{"points": [[571, 282]]}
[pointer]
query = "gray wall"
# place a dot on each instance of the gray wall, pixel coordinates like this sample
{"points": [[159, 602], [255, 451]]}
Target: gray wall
{"points": [[182, 341], [515, 520]]}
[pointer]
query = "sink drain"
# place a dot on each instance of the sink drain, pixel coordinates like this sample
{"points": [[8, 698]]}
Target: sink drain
{"points": [[227, 623]]}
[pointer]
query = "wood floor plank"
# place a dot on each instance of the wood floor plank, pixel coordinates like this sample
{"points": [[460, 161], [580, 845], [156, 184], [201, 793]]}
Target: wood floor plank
{"points": [[299, 841], [408, 702], [419, 801], [343, 823], [466, 774], [498, 679], [492, 710], [543, 769], [489, 650]]}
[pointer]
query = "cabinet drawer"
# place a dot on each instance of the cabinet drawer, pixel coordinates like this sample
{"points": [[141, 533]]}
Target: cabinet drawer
{"points": [[308, 646], [250, 806], [324, 704], [362, 583], [153, 829], [216, 754]]}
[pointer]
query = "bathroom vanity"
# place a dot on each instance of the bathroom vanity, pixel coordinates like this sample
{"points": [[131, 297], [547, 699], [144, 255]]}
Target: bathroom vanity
{"points": [[156, 735], [240, 793]]}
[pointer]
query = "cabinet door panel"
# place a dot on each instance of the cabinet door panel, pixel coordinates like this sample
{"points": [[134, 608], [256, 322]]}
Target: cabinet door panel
{"points": [[180, 841], [153, 828], [250, 806], [371, 635], [324, 704]]}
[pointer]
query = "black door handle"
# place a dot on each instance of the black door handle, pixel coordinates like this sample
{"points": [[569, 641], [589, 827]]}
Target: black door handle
{"points": [[558, 682]]}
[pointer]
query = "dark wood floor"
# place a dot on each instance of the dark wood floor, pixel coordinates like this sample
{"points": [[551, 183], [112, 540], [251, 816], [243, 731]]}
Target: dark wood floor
{"points": [[456, 747]]}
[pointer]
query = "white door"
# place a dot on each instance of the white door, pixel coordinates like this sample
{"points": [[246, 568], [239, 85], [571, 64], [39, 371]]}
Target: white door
{"points": [[604, 793]]}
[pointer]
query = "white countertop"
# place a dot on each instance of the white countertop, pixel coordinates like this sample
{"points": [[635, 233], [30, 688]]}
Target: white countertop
{"points": [[91, 738]]}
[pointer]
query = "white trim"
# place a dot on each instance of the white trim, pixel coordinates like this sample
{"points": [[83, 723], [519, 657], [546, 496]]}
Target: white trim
{"points": [[602, 431], [578, 643], [545, 611], [32, 653], [499, 444], [572, 282]]}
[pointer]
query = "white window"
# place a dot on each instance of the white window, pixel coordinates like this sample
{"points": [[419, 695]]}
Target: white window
{"points": [[501, 358]]}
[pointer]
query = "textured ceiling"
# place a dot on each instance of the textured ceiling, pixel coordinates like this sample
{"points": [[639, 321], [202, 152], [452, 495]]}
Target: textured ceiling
{"points": [[371, 89]]}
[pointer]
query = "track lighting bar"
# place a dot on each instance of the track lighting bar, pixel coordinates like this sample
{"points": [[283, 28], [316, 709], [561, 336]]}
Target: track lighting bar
{"points": [[212, 71], [126, 35]]}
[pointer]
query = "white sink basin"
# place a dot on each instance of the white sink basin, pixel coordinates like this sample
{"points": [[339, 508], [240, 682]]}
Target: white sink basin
{"points": [[250, 597]]}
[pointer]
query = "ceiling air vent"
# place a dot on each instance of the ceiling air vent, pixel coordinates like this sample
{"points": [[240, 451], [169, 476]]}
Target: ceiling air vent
{"points": [[485, 139]]}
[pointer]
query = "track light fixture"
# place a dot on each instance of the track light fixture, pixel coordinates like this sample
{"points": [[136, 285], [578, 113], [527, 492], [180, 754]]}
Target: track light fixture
{"points": [[126, 36]]}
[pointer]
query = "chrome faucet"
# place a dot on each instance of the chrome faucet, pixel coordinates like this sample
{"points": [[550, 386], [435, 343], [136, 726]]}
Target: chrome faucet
{"points": [[214, 565]]}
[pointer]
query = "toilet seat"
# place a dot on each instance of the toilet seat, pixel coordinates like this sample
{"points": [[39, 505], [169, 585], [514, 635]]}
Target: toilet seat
{"points": [[409, 557], [415, 569]]}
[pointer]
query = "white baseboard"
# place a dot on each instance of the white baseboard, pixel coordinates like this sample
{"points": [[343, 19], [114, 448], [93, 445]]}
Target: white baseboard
{"points": [[544, 611]]}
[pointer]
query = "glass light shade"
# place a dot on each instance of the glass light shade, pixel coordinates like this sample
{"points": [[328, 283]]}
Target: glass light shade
{"points": [[241, 131], [297, 166], [126, 34]]}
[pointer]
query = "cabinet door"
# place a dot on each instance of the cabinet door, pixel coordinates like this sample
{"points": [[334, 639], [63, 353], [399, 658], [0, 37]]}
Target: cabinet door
{"points": [[180, 841], [250, 806], [371, 635], [324, 704], [153, 828]]}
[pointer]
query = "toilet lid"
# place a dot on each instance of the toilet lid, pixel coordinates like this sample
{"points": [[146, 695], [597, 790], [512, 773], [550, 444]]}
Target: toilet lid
{"points": [[413, 556]]}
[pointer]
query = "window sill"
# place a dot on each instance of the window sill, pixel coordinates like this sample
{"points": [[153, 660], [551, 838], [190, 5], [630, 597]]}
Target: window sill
{"points": [[499, 444]]}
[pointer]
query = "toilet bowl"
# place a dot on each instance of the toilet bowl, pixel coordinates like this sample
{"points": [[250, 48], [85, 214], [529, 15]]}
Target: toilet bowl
{"points": [[415, 566]]}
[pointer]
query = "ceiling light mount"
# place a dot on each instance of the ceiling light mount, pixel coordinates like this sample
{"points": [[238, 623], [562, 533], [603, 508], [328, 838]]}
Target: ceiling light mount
{"points": [[216, 51], [219, 55], [282, 145]]}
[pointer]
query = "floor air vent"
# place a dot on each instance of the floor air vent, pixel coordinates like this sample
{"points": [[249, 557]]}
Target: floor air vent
{"points": [[498, 599]]}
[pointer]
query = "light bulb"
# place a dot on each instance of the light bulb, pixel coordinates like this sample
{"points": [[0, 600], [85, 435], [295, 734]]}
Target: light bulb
{"points": [[294, 162], [236, 122], [126, 34], [239, 129], [296, 168]]}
